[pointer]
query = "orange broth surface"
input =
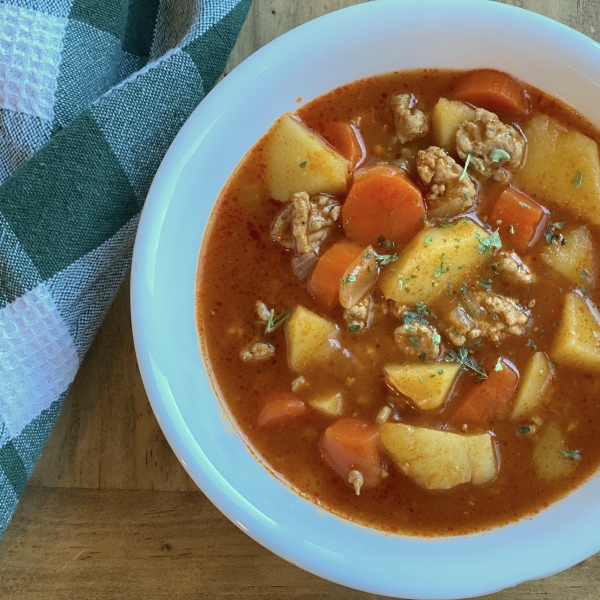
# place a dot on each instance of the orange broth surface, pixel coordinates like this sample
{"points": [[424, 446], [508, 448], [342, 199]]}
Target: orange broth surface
{"points": [[240, 263]]}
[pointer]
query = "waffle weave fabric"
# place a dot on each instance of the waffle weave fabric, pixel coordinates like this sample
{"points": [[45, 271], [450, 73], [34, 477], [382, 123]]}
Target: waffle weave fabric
{"points": [[92, 92]]}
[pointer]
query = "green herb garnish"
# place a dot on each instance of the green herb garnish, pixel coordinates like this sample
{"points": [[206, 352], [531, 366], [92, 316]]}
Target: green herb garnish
{"points": [[523, 430], [485, 283], [303, 164], [511, 230], [578, 179], [485, 244], [524, 205], [571, 454], [498, 154], [353, 327], [385, 243], [462, 357], [414, 341], [436, 338], [441, 269], [499, 366], [385, 259], [275, 321], [464, 171]]}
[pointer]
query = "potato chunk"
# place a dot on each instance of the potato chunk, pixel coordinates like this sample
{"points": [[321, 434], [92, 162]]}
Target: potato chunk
{"points": [[432, 259], [299, 160], [440, 460], [577, 341], [550, 463], [534, 387], [446, 119], [575, 258], [562, 168], [328, 404], [310, 338], [426, 385]]}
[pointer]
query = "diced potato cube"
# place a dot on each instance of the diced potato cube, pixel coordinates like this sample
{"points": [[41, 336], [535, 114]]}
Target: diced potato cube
{"points": [[431, 260], [550, 463], [299, 160], [328, 404], [534, 386], [310, 338], [575, 259], [440, 460], [446, 118], [427, 386], [577, 341], [562, 168]]}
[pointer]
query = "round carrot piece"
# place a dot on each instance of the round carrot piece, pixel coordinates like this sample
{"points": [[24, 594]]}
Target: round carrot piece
{"points": [[382, 203]]}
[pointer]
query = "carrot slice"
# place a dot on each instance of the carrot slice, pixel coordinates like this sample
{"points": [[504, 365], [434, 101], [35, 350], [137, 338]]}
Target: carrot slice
{"points": [[519, 218], [346, 139], [324, 281], [487, 400], [281, 409], [382, 202], [493, 90], [353, 445]]}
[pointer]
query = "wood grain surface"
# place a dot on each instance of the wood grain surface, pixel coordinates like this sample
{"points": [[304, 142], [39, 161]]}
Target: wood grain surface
{"points": [[110, 513]]}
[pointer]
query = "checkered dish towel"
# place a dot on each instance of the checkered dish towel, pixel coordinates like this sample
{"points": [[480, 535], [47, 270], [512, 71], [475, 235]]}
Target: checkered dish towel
{"points": [[92, 92]]}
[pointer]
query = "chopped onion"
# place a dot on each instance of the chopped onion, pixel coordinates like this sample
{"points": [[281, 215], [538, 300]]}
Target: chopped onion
{"points": [[303, 264], [359, 279]]}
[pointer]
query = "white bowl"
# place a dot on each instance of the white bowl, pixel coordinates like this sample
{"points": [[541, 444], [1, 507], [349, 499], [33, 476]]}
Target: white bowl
{"points": [[370, 38]]}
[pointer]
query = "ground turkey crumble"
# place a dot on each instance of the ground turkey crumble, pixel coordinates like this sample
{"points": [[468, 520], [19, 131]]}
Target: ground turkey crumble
{"points": [[450, 191], [411, 123], [484, 315], [305, 222], [494, 148]]}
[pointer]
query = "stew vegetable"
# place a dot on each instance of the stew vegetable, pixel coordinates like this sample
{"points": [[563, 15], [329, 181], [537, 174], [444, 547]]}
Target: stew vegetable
{"points": [[397, 300]]}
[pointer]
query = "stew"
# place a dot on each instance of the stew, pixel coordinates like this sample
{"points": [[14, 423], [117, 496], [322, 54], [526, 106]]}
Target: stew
{"points": [[397, 299]]}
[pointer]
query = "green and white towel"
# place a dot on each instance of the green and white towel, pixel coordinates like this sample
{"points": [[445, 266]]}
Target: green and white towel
{"points": [[92, 92]]}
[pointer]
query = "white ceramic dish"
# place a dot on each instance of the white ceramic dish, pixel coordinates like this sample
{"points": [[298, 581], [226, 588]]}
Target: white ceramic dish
{"points": [[370, 38]]}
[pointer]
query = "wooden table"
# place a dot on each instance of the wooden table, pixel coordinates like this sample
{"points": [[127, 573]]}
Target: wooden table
{"points": [[110, 513]]}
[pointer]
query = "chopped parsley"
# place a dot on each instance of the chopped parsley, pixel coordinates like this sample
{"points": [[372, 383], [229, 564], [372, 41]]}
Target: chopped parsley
{"points": [[583, 274], [531, 344], [348, 280], [275, 321], [523, 430], [485, 283], [524, 205], [414, 341], [498, 154], [552, 236], [485, 244], [499, 366], [422, 356], [436, 338], [571, 454], [462, 357], [577, 180], [584, 290], [464, 171], [440, 371], [385, 259], [421, 378], [353, 327], [303, 164], [441, 269], [444, 225], [385, 243], [428, 240]]}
